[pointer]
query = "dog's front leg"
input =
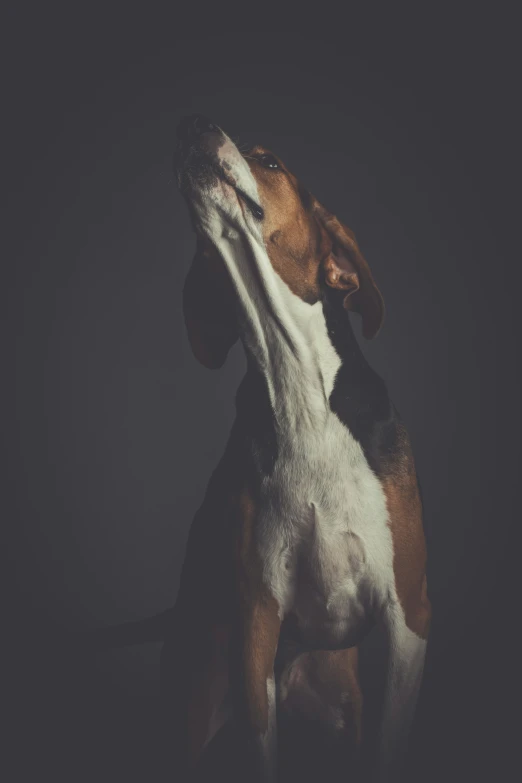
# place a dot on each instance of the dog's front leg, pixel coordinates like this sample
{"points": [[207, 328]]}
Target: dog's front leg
{"points": [[253, 669], [259, 644], [407, 650]]}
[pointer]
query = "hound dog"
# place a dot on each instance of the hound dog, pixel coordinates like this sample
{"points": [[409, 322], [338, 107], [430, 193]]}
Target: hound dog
{"points": [[310, 532]]}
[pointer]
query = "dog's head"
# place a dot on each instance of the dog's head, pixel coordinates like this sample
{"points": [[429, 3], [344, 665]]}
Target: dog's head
{"points": [[256, 226]]}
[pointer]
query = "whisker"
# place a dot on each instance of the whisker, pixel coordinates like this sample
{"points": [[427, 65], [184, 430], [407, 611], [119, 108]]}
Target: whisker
{"points": [[242, 147]]}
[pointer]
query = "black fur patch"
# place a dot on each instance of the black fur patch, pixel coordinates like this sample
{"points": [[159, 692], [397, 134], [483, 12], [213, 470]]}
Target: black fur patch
{"points": [[255, 420], [360, 398]]}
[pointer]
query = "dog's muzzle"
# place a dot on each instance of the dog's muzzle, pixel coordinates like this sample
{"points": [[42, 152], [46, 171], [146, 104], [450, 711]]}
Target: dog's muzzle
{"points": [[197, 158], [198, 141]]}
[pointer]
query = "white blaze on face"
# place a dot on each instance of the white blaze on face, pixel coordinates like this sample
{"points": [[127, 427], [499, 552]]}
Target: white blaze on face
{"points": [[237, 169], [217, 206]]}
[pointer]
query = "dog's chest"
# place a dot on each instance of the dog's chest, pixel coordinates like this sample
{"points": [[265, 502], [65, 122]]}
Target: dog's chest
{"points": [[323, 535]]}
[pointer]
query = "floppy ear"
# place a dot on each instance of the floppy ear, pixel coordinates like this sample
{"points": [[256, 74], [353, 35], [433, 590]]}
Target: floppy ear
{"points": [[209, 310], [346, 268]]}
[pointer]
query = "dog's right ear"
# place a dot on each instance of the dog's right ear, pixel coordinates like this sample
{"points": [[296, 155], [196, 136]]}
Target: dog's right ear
{"points": [[347, 269], [209, 310]]}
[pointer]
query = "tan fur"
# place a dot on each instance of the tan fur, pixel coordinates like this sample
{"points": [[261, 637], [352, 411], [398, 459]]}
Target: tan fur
{"points": [[259, 621], [366, 299], [336, 672], [304, 241], [290, 232], [409, 564]]}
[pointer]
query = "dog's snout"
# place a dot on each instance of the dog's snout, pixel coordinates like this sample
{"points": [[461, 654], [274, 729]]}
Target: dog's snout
{"points": [[205, 154], [191, 128]]}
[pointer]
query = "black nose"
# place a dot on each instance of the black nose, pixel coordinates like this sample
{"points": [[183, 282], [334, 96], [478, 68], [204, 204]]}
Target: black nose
{"points": [[191, 128]]}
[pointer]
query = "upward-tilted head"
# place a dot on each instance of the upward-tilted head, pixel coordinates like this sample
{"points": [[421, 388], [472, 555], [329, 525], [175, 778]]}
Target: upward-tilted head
{"points": [[266, 248]]}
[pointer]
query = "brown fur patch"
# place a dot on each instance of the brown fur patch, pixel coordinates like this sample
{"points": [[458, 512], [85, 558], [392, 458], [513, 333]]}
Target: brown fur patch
{"points": [[335, 671], [291, 233], [260, 621], [304, 241], [409, 561]]}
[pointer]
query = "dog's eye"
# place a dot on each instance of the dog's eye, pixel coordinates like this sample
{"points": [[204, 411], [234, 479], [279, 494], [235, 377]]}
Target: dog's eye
{"points": [[268, 161]]}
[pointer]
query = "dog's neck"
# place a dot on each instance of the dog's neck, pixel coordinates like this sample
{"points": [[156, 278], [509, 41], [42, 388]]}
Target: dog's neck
{"points": [[298, 349], [294, 346], [298, 363]]}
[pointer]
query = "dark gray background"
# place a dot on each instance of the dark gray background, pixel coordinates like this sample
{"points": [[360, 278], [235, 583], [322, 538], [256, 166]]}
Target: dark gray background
{"points": [[405, 129]]}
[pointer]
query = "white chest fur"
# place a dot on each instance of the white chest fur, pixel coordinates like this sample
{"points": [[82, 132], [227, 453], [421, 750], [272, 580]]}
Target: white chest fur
{"points": [[323, 536]]}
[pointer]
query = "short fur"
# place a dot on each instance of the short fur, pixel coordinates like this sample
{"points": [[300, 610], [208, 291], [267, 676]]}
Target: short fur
{"points": [[311, 529]]}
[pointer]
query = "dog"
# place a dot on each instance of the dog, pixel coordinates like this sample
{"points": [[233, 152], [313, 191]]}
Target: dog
{"points": [[310, 532]]}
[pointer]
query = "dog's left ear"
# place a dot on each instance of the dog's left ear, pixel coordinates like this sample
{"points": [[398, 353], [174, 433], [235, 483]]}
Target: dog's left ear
{"points": [[209, 310], [346, 268]]}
